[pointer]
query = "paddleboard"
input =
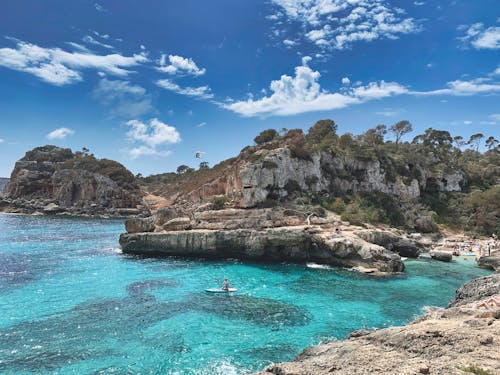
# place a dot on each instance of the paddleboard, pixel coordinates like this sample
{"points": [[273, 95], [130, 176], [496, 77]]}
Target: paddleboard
{"points": [[218, 290]]}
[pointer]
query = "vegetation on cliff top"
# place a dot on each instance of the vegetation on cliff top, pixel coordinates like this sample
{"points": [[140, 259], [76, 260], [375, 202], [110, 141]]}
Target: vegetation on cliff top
{"points": [[426, 157], [82, 160]]}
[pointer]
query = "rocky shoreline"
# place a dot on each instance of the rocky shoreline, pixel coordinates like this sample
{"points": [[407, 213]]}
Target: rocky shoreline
{"points": [[41, 207], [461, 339], [274, 234]]}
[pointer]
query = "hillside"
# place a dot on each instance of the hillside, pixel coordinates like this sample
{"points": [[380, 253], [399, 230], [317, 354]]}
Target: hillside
{"points": [[434, 179], [50, 179]]}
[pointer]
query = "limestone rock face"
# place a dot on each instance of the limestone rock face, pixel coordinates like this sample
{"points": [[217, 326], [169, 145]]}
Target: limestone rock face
{"points": [[292, 244], [52, 175], [278, 173]]}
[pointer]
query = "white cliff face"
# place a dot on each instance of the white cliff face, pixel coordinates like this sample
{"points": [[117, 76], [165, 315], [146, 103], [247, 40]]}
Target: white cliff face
{"points": [[277, 173]]}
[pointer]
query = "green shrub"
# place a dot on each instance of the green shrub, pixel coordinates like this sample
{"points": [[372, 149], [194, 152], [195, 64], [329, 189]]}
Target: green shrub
{"points": [[300, 150], [219, 202], [266, 136]]}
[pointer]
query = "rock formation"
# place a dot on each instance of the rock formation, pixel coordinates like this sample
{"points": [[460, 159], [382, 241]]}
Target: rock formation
{"points": [[50, 179], [277, 235], [273, 172], [464, 338], [491, 262]]}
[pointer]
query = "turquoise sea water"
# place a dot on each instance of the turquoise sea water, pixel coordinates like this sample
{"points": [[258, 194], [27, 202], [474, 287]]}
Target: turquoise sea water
{"points": [[71, 303]]}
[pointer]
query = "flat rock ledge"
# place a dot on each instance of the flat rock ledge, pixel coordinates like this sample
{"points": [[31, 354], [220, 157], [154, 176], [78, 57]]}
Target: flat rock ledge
{"points": [[296, 244], [466, 335]]}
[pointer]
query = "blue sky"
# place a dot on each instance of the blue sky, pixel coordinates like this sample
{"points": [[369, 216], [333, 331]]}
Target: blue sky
{"points": [[150, 83]]}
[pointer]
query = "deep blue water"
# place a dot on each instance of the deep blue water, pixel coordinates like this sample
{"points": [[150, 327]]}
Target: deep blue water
{"points": [[71, 303]]}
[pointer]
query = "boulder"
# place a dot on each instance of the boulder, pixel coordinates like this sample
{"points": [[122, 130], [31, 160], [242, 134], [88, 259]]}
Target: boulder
{"points": [[138, 225], [179, 223], [490, 262], [51, 208], [442, 256], [164, 214], [404, 247]]}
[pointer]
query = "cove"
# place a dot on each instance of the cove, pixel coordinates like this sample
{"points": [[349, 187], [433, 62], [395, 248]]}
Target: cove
{"points": [[73, 304]]}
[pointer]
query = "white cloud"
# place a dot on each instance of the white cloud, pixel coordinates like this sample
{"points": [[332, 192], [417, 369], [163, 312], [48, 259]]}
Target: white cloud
{"points": [[2, 140], [100, 8], [418, 3], [466, 88], [202, 124], [479, 37], [202, 92], [429, 65], [467, 122], [389, 112], [152, 134], [495, 116], [302, 93], [91, 40], [60, 133], [139, 151], [346, 81], [289, 43], [59, 67], [125, 99], [179, 66], [337, 24]]}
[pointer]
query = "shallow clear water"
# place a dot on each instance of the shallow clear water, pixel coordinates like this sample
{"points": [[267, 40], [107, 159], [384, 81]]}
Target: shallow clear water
{"points": [[70, 303]]}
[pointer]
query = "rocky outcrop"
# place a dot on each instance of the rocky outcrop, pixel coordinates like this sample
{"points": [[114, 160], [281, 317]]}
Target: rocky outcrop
{"points": [[51, 180], [280, 234], [477, 289], [490, 262], [403, 246], [273, 172], [287, 244], [453, 341], [279, 173]]}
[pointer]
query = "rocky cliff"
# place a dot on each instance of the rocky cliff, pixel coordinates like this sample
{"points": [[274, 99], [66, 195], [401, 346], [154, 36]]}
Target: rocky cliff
{"points": [[50, 179], [464, 338], [273, 172]]}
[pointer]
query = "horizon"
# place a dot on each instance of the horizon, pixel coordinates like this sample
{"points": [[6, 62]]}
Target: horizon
{"points": [[151, 84]]}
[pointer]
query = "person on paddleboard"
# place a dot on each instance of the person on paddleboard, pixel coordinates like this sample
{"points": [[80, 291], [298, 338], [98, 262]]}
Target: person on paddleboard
{"points": [[225, 284]]}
